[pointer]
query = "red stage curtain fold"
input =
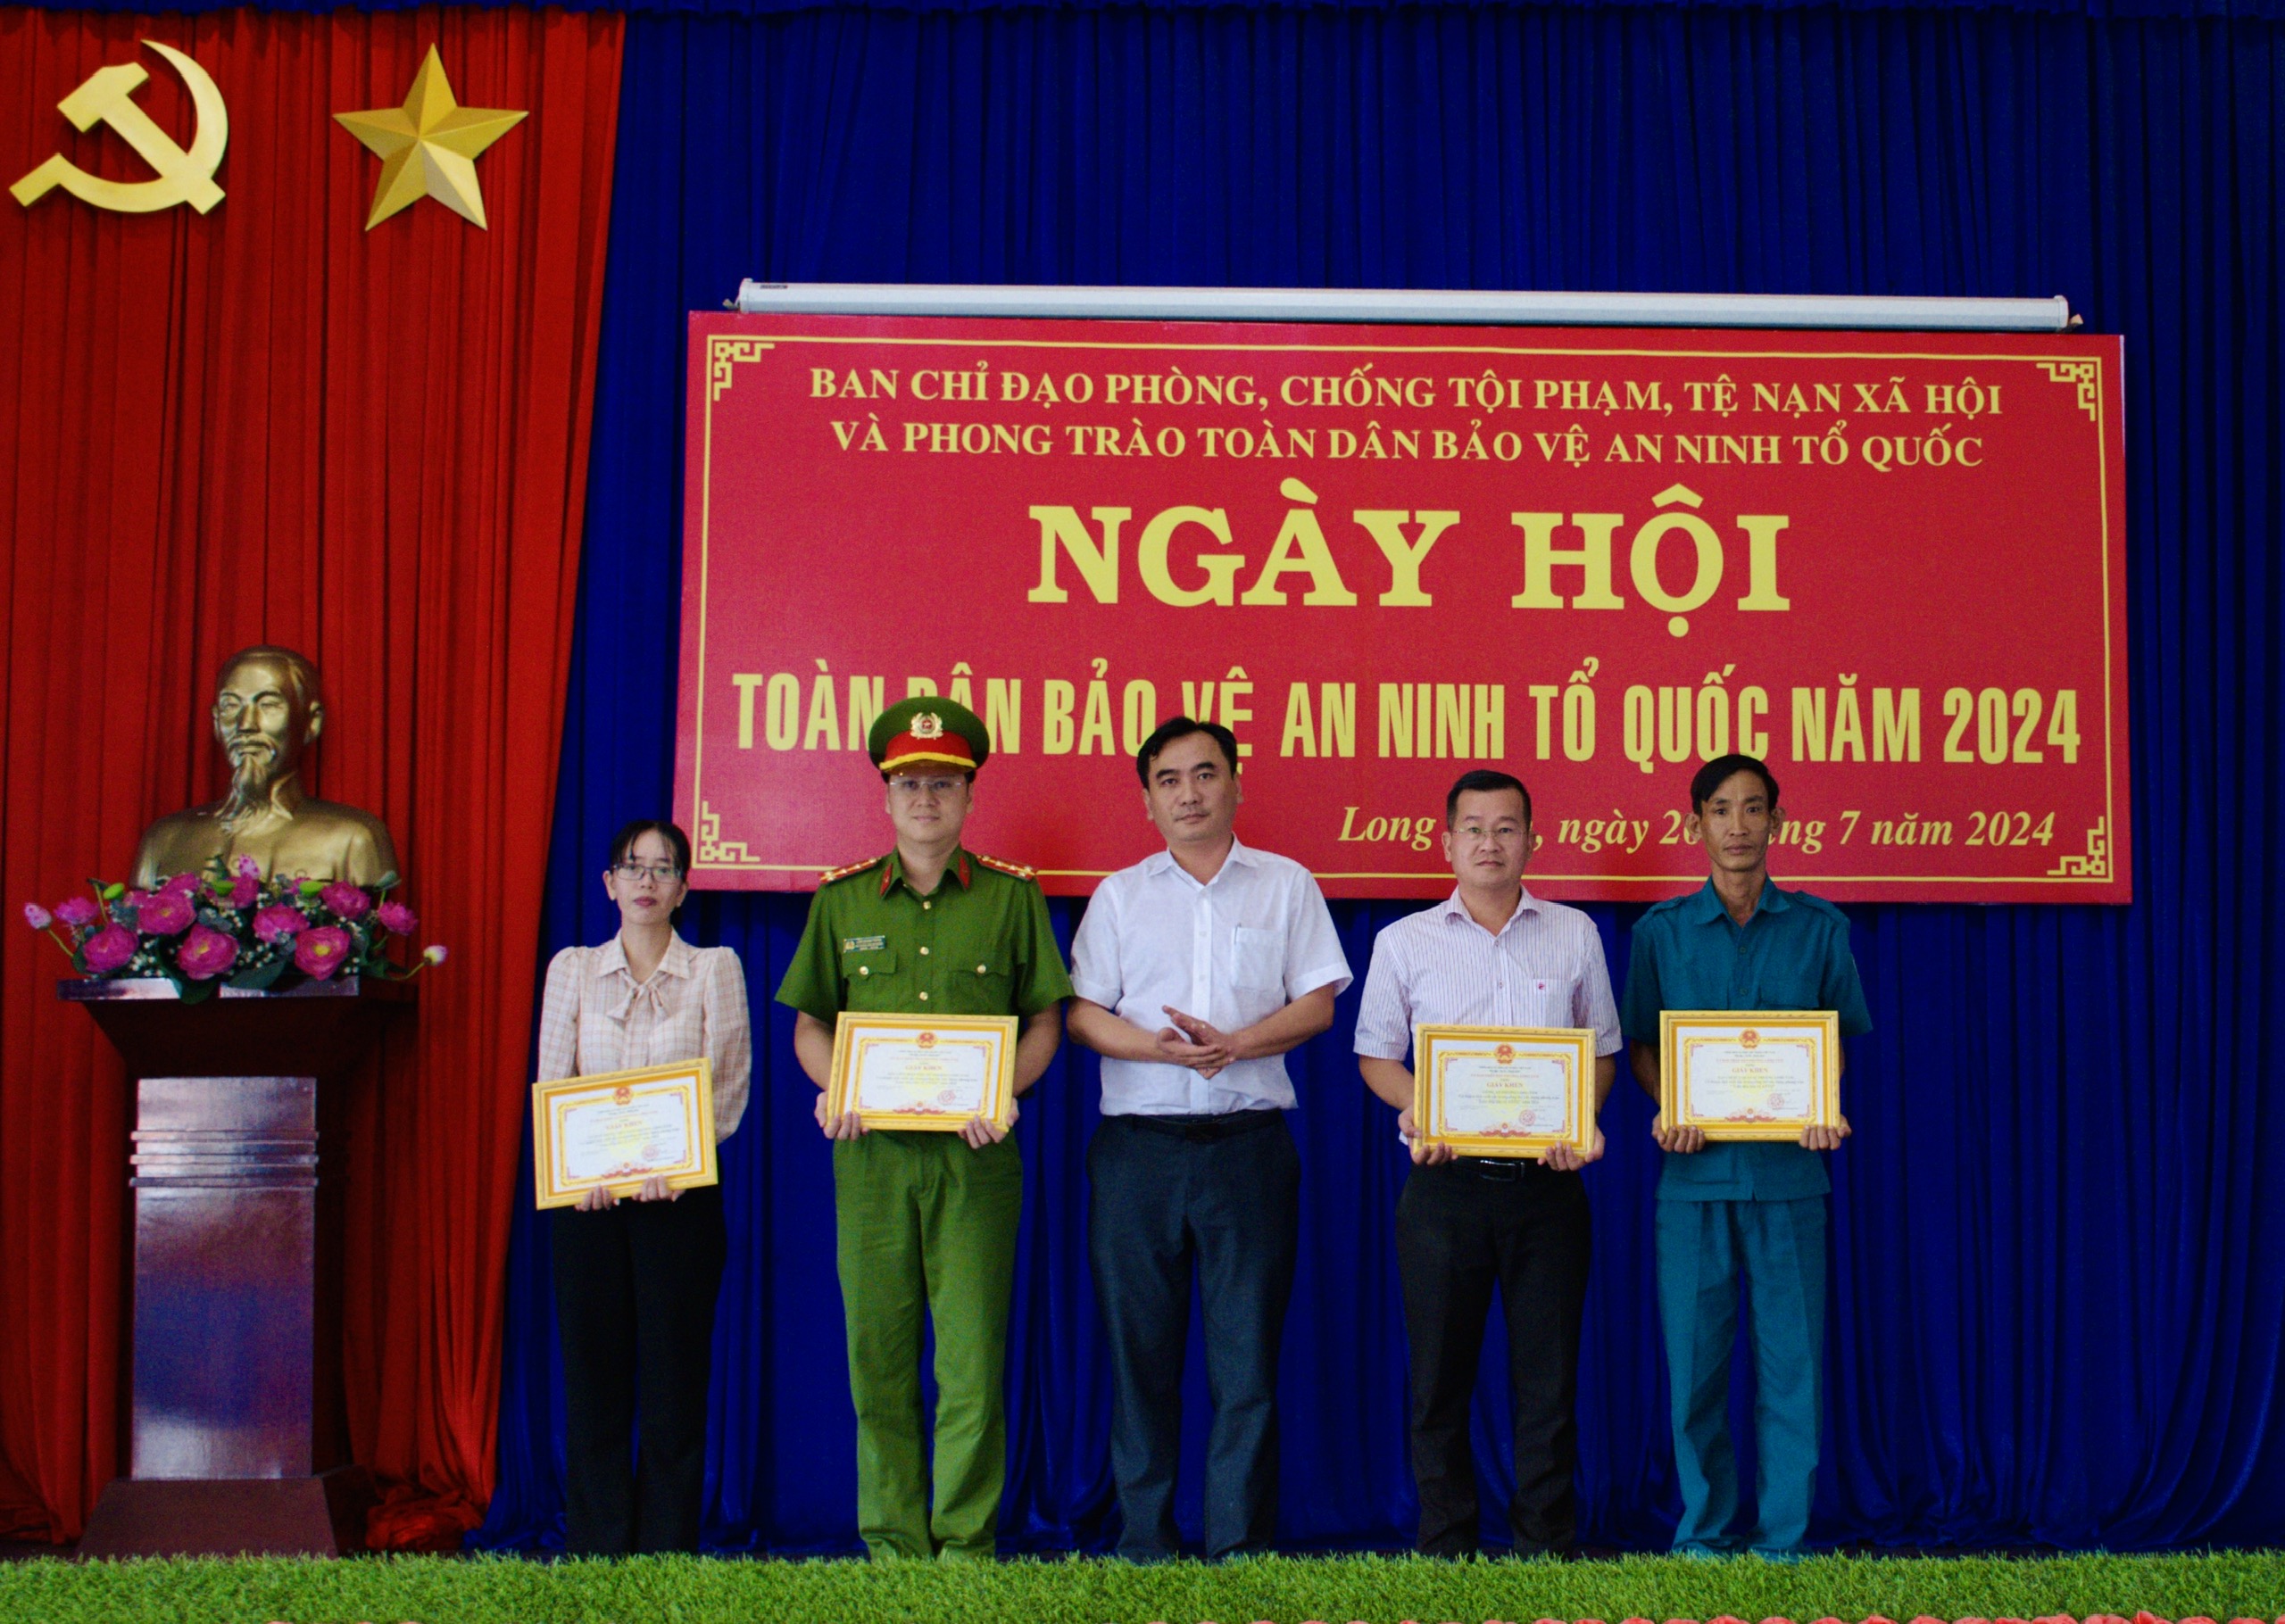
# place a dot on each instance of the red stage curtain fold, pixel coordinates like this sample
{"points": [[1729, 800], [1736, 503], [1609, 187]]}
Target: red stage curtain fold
{"points": [[265, 424]]}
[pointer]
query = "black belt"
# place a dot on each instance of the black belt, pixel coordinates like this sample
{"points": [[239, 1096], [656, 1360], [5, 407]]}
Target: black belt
{"points": [[1204, 1129], [1500, 1169]]}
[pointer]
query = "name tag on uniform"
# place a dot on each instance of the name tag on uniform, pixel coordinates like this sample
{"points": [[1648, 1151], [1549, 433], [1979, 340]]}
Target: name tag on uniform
{"points": [[863, 944]]}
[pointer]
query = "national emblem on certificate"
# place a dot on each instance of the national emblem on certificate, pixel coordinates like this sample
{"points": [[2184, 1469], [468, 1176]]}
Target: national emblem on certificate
{"points": [[931, 1073], [1748, 1074], [1513, 1092], [616, 1129]]}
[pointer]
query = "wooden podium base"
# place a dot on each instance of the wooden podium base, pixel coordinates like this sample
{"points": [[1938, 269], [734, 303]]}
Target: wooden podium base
{"points": [[319, 1516]]}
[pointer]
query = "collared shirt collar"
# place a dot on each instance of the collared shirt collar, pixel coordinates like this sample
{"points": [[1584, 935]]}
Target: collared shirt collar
{"points": [[680, 959], [1454, 908], [893, 871], [1160, 862], [1707, 905]]}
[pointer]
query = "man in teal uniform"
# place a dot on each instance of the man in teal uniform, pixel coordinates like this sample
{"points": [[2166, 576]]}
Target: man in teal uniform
{"points": [[1757, 1208], [927, 1222]]}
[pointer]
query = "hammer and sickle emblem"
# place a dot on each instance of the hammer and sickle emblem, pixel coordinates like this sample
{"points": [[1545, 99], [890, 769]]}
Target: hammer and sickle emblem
{"points": [[107, 97]]}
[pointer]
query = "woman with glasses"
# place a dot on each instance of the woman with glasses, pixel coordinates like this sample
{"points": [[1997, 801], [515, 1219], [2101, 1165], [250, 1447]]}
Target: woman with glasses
{"points": [[636, 1281]]}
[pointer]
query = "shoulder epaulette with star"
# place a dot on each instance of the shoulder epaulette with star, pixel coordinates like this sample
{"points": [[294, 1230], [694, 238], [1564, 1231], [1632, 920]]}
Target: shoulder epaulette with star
{"points": [[1015, 869], [831, 874]]}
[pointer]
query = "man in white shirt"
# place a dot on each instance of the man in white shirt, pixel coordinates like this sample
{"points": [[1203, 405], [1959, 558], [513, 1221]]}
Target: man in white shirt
{"points": [[1195, 970], [1490, 955]]}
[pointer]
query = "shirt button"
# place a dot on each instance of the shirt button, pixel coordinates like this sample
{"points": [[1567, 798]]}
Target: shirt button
{"points": [[924, 952], [864, 969], [982, 970], [923, 998], [924, 906]]}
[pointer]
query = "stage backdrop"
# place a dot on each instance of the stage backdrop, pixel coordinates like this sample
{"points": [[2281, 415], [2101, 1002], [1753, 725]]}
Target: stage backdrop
{"points": [[1383, 555], [2058, 1256], [264, 423]]}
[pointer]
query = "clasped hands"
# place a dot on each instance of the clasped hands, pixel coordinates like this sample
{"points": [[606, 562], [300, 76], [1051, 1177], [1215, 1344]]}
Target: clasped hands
{"points": [[1205, 1049], [975, 1132]]}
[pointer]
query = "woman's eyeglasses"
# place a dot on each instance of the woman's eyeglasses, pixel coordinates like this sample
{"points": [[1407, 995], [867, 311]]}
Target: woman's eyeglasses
{"points": [[665, 873]]}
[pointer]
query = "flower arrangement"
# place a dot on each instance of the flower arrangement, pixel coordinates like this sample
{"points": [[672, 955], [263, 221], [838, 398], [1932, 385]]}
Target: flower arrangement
{"points": [[231, 928]]}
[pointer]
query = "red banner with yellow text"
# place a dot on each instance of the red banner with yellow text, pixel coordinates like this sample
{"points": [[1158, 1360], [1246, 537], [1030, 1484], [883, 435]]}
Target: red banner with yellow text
{"points": [[1892, 565]]}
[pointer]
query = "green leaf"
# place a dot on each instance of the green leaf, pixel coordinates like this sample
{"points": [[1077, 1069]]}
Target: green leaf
{"points": [[113, 891], [262, 976], [311, 888]]}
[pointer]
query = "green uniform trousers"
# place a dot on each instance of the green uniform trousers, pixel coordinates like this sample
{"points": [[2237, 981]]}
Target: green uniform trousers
{"points": [[927, 1226], [1780, 1246]]}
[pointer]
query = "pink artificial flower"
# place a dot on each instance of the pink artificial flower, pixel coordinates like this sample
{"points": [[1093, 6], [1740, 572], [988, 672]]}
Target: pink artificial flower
{"points": [[205, 954], [166, 912], [395, 916], [435, 955], [319, 953], [347, 901], [78, 912], [279, 921], [108, 949], [36, 916], [178, 885], [248, 869], [244, 891]]}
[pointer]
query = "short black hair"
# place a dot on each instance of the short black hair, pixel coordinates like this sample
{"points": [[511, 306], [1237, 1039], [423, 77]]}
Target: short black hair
{"points": [[1483, 781], [1719, 770], [1181, 727]]}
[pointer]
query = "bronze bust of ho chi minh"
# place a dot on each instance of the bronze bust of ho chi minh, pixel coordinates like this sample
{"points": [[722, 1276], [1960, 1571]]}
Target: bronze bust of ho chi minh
{"points": [[266, 714]]}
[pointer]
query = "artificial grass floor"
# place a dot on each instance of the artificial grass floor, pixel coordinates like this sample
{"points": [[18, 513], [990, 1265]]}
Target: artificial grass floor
{"points": [[1381, 1590]]}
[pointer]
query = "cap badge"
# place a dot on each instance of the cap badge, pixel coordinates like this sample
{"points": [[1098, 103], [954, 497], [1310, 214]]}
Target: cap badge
{"points": [[927, 725]]}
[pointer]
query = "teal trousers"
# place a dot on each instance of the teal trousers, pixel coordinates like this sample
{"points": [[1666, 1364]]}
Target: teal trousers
{"points": [[1779, 1245]]}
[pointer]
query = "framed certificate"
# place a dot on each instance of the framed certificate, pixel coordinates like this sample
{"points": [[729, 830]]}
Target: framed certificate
{"points": [[1504, 1091], [616, 1129], [927, 1071], [1748, 1074]]}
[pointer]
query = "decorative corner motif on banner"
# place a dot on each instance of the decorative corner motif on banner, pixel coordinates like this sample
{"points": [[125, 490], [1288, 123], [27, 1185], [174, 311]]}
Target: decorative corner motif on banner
{"points": [[2083, 373], [711, 847], [2096, 863], [722, 354]]}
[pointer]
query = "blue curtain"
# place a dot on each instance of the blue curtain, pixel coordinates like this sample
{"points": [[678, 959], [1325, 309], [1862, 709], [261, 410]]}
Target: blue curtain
{"points": [[2059, 1253]]}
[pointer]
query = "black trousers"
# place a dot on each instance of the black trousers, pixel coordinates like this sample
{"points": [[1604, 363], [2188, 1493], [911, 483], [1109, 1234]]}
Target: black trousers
{"points": [[1221, 1194], [1461, 1229], [635, 1290]]}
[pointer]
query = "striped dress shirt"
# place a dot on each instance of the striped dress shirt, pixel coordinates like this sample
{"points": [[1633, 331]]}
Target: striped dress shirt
{"points": [[1439, 967]]}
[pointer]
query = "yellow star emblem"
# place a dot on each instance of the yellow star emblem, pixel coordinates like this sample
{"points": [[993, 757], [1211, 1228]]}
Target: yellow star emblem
{"points": [[428, 146]]}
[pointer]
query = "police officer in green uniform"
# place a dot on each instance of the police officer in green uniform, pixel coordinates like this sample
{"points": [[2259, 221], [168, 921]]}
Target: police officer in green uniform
{"points": [[927, 1222]]}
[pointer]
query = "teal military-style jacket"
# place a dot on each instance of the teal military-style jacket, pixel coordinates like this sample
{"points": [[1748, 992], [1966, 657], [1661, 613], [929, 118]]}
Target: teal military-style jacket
{"points": [[980, 944], [1792, 954]]}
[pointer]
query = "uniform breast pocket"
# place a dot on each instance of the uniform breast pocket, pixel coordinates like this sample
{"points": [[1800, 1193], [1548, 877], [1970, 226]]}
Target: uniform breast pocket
{"points": [[995, 975], [1257, 959], [862, 966]]}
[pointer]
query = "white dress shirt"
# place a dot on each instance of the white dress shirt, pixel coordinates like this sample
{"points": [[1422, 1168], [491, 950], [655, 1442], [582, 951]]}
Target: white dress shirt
{"points": [[1231, 951], [597, 1017], [1439, 967]]}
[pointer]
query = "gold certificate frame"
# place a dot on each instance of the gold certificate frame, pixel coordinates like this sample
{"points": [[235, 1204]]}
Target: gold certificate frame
{"points": [[930, 1073], [1747, 1074], [613, 1130], [1490, 1090]]}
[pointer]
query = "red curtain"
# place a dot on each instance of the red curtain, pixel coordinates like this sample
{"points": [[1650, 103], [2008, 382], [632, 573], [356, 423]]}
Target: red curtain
{"points": [[265, 424]]}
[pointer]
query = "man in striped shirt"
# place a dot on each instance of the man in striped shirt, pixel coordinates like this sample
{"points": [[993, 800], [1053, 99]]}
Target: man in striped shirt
{"points": [[1490, 955]]}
